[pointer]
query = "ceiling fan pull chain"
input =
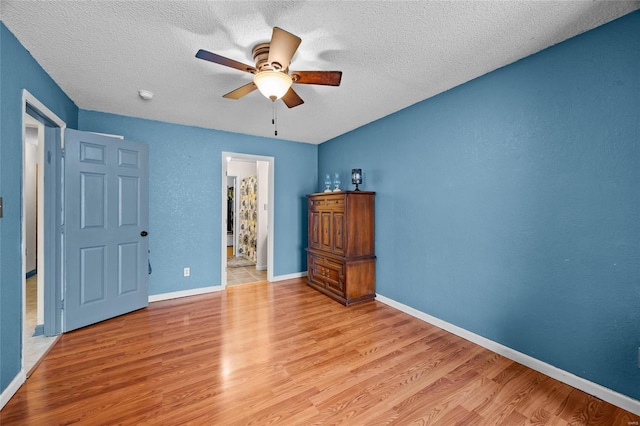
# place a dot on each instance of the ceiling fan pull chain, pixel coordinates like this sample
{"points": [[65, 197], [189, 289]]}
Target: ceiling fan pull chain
{"points": [[274, 119]]}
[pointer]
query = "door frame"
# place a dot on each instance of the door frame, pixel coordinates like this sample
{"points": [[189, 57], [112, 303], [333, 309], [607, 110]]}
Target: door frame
{"points": [[50, 189], [225, 158]]}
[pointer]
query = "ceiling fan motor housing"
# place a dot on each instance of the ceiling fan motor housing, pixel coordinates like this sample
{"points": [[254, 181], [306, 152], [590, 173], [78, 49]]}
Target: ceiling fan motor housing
{"points": [[261, 58]]}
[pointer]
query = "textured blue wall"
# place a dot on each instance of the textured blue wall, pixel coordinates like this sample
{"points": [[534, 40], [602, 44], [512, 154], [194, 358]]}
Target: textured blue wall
{"points": [[18, 71], [510, 205], [184, 196]]}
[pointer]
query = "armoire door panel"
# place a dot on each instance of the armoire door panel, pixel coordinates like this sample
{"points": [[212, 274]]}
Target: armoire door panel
{"points": [[314, 229], [338, 233], [326, 240]]}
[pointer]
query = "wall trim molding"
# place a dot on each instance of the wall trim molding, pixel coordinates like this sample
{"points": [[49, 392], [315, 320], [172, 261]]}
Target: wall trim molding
{"points": [[184, 293], [13, 387], [289, 276], [563, 376]]}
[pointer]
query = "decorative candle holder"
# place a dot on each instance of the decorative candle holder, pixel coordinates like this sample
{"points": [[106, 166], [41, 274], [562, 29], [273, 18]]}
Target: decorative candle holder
{"points": [[327, 183], [336, 183]]}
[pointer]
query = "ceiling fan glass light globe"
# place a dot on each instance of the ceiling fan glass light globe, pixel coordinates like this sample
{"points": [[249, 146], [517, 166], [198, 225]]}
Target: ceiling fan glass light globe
{"points": [[272, 84]]}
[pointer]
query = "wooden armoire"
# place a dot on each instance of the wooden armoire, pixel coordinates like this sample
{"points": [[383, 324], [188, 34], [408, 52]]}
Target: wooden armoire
{"points": [[341, 254]]}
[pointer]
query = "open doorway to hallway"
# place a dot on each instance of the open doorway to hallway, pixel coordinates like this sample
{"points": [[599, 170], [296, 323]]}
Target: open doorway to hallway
{"points": [[247, 218], [35, 344]]}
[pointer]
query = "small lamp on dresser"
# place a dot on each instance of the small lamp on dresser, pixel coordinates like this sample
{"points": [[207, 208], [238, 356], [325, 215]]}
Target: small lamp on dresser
{"points": [[356, 177]]}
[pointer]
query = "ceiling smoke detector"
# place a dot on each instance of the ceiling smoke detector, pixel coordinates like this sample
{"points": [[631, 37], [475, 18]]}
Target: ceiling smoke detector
{"points": [[145, 94]]}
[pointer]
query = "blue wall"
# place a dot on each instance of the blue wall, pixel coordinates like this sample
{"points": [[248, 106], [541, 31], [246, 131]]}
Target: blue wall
{"points": [[510, 205], [18, 71], [184, 196]]}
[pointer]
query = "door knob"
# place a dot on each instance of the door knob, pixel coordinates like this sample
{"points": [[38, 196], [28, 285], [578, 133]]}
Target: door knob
{"points": [[144, 233]]}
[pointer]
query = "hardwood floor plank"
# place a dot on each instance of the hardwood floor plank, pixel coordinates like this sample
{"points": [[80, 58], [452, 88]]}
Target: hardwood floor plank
{"points": [[285, 354], [458, 416], [545, 400]]}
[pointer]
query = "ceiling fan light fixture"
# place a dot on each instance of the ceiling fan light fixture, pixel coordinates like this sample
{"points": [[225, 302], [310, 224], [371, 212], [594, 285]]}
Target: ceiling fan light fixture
{"points": [[272, 84]]}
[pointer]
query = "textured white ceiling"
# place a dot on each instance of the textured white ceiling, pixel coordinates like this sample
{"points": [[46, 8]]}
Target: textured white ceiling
{"points": [[392, 53]]}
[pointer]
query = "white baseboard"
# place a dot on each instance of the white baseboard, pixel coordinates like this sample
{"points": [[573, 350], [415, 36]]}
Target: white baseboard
{"points": [[184, 293], [289, 276], [12, 388], [212, 289], [570, 379], [261, 267]]}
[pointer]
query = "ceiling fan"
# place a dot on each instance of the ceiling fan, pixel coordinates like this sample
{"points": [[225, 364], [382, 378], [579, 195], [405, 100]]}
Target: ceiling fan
{"points": [[271, 73]]}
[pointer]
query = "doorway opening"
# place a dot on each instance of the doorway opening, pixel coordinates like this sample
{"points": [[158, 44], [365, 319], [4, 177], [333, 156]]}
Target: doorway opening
{"points": [[247, 218], [38, 250]]}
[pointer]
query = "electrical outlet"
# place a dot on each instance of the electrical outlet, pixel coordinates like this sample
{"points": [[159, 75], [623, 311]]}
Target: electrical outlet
{"points": [[187, 272]]}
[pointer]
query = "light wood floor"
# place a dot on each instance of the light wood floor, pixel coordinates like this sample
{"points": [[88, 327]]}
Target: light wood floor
{"points": [[283, 353]]}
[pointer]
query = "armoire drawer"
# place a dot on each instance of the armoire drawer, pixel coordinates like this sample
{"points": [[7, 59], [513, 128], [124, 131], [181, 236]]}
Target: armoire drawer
{"points": [[327, 273], [328, 202]]}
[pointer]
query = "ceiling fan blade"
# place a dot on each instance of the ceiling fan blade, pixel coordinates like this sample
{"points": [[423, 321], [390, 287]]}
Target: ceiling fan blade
{"points": [[291, 99], [212, 57], [326, 78], [241, 91], [282, 48]]}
